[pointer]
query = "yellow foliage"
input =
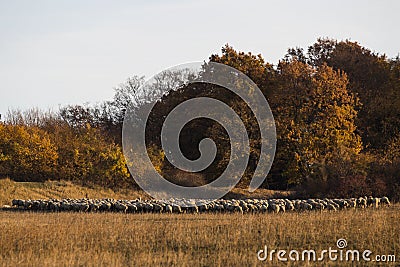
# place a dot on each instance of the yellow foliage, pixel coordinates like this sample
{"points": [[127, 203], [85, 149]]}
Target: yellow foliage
{"points": [[316, 117], [26, 153]]}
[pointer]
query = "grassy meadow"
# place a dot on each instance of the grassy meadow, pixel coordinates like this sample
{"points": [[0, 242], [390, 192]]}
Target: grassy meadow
{"points": [[113, 239]]}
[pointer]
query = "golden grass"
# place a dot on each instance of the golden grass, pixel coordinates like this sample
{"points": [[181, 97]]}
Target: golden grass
{"points": [[84, 239]]}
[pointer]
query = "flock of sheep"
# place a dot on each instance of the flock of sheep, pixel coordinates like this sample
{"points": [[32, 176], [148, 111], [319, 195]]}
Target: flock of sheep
{"points": [[198, 206]]}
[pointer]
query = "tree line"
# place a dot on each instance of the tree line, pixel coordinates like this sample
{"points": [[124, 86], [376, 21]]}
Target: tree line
{"points": [[336, 107]]}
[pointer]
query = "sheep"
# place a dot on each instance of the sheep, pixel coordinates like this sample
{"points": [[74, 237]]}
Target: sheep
{"points": [[337, 207], [27, 204], [375, 202], [203, 208], [331, 207], [105, 206], [94, 206], [53, 206], [193, 209], [289, 206], [148, 207], [219, 208], [83, 207], [35, 205], [282, 208], [305, 206], [385, 201], [199, 205], [228, 207], [274, 207], [237, 208], [297, 204], [43, 205], [120, 207], [168, 208], [176, 209], [319, 206], [65, 206], [362, 202], [157, 208], [244, 206], [264, 208], [132, 208], [345, 204], [353, 203], [252, 208], [370, 201], [15, 202]]}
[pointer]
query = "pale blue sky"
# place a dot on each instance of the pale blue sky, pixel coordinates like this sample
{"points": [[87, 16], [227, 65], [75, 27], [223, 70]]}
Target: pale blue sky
{"points": [[62, 52]]}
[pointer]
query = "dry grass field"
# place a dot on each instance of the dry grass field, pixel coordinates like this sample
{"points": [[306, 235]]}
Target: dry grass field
{"points": [[110, 239]]}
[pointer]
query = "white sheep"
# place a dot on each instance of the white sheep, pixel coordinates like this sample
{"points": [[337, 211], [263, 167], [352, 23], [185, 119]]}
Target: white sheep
{"points": [[275, 207], [168, 208], [331, 207], [385, 201], [362, 202]]}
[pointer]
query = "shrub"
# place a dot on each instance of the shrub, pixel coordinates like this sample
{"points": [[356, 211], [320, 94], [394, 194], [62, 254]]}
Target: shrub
{"points": [[26, 153], [86, 156]]}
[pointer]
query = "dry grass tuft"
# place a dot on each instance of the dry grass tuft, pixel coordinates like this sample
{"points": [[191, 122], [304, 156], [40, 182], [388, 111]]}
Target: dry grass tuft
{"points": [[81, 239]]}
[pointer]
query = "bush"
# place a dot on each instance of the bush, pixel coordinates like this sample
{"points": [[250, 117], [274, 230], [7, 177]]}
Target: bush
{"points": [[26, 153], [61, 152], [86, 156]]}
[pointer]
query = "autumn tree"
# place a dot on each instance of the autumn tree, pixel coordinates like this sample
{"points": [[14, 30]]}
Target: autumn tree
{"points": [[253, 66], [315, 115], [26, 153], [87, 156], [263, 75], [373, 78]]}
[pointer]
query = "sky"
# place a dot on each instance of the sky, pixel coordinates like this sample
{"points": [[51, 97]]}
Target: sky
{"points": [[54, 53]]}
